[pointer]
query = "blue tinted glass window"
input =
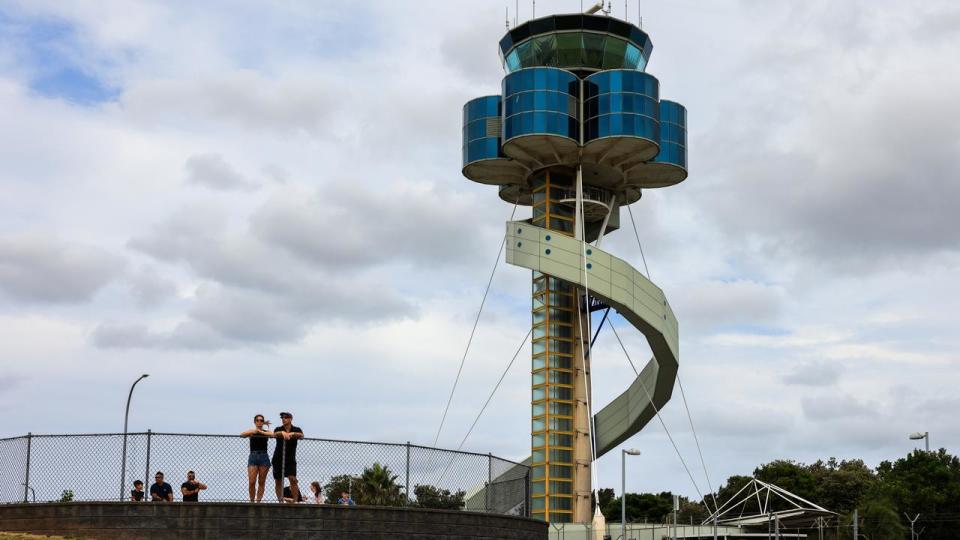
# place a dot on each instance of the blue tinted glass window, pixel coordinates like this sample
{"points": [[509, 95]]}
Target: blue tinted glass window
{"points": [[631, 56], [513, 61]]}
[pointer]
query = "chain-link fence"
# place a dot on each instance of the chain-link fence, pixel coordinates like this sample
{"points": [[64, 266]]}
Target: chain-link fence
{"points": [[90, 467]]}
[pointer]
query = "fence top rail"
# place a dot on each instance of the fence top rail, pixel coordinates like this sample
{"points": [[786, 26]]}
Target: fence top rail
{"points": [[235, 436]]}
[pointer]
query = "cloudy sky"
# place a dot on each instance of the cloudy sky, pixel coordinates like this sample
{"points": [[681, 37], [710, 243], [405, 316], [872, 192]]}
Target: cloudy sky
{"points": [[264, 210]]}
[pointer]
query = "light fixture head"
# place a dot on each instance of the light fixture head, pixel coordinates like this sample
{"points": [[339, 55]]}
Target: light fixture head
{"points": [[917, 436], [631, 451]]}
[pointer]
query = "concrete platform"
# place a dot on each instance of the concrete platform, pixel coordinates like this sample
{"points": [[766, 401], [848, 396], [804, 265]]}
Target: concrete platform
{"points": [[242, 521]]}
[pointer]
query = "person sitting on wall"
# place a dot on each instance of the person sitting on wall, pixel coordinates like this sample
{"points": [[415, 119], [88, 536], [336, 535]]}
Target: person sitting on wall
{"points": [[161, 491], [191, 488], [318, 497], [345, 499], [136, 494], [288, 496]]}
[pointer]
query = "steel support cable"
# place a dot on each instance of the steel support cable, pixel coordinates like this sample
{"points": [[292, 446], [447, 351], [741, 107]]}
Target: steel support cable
{"points": [[583, 356], [680, 384], [473, 331], [490, 397], [697, 440], [636, 234], [657, 411]]}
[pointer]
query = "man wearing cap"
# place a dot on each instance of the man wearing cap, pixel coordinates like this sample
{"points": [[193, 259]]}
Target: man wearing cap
{"points": [[285, 454], [191, 488]]}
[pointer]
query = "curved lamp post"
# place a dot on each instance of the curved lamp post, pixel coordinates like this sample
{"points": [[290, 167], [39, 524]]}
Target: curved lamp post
{"points": [[623, 489], [925, 436], [123, 461]]}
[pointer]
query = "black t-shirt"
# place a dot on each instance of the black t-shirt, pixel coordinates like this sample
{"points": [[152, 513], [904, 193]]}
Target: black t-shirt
{"points": [[290, 445], [191, 486], [161, 490], [258, 443], [136, 494]]}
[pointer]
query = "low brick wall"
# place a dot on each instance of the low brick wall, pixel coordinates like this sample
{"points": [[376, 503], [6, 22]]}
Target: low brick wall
{"points": [[124, 520]]}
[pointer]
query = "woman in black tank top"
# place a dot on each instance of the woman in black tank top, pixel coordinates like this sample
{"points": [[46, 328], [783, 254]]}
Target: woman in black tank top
{"points": [[258, 464]]}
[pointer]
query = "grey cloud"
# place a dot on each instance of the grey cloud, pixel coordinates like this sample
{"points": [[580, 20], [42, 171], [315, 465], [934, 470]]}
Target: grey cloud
{"points": [[356, 228], [256, 293], [715, 304], [826, 407], [847, 163], [241, 98], [149, 288], [45, 269], [814, 374], [212, 171]]}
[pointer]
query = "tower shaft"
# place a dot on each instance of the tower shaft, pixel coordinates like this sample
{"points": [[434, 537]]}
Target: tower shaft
{"points": [[561, 435]]}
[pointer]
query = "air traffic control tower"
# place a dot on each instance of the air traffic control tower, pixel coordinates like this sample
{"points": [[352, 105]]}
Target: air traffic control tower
{"points": [[578, 132]]}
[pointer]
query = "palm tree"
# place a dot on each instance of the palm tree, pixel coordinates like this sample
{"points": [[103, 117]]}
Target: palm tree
{"points": [[378, 487]]}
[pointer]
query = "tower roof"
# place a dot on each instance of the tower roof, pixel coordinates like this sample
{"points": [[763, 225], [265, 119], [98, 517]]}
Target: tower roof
{"points": [[577, 42]]}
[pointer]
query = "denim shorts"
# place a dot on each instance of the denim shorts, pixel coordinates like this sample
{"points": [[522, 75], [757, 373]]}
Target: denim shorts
{"points": [[258, 459]]}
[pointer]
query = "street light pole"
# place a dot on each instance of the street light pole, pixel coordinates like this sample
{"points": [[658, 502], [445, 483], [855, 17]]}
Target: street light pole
{"points": [[623, 489], [123, 460], [925, 436]]}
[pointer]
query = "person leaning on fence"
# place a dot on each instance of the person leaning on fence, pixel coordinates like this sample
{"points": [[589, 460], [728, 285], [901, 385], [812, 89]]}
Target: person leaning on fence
{"points": [[258, 463], [285, 454], [191, 488], [136, 494], [346, 499], [161, 491]]}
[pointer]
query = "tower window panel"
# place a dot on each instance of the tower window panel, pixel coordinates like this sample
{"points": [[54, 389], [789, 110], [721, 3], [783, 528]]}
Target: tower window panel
{"points": [[539, 409], [538, 471], [539, 503], [558, 517], [546, 49], [540, 362], [559, 471], [561, 392], [538, 424], [560, 439], [613, 52], [539, 347], [631, 57], [560, 409], [561, 424], [538, 488], [561, 362], [539, 393], [559, 377], [540, 377], [593, 50], [540, 440], [539, 456], [561, 503], [563, 456], [561, 488]]}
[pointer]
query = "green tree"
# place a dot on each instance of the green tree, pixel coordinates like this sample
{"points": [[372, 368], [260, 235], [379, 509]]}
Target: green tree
{"points": [[641, 507], [343, 483], [879, 520], [433, 497], [66, 496], [841, 486], [925, 483], [378, 487]]}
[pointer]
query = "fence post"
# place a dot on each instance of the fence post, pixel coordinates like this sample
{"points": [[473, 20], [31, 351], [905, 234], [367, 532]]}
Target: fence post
{"points": [[26, 479], [489, 480], [526, 494], [146, 474], [407, 488]]}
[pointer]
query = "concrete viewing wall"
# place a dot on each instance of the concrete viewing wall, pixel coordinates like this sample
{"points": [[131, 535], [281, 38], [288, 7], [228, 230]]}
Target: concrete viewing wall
{"points": [[241, 521]]}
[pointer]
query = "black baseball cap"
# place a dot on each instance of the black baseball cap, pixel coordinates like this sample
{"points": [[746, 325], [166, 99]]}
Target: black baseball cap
{"points": [[285, 415]]}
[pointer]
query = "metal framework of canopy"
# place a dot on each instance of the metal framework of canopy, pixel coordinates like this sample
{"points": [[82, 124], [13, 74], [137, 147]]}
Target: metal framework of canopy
{"points": [[759, 503]]}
